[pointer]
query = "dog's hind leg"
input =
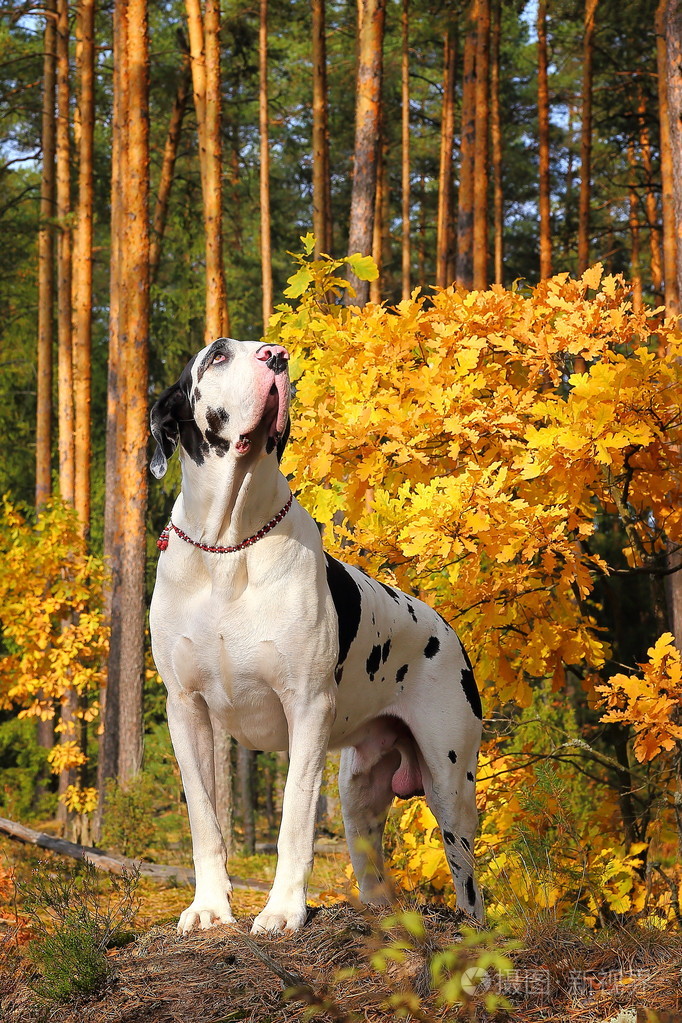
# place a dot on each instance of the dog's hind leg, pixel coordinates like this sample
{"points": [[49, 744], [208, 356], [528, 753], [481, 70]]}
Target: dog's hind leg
{"points": [[192, 735], [449, 775], [366, 796]]}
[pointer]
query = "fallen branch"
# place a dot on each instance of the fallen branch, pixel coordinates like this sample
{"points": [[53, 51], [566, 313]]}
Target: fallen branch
{"points": [[110, 862]]}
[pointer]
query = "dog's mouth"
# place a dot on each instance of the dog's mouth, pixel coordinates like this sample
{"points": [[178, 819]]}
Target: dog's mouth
{"points": [[273, 418]]}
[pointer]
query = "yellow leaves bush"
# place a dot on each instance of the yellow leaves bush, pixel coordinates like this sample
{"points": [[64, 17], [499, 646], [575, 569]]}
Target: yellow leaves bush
{"points": [[448, 445], [52, 622]]}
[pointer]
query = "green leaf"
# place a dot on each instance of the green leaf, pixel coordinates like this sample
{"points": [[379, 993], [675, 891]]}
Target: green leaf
{"points": [[363, 267], [308, 242], [298, 283]]}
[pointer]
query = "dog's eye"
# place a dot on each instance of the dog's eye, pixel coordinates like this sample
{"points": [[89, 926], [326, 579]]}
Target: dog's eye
{"points": [[220, 357]]}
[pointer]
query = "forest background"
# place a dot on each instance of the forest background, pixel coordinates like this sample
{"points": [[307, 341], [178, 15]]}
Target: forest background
{"points": [[507, 448]]}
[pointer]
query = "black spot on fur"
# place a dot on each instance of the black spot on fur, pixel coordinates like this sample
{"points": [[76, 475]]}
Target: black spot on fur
{"points": [[432, 647], [219, 444], [338, 674], [471, 891], [401, 673], [373, 662], [172, 423], [470, 776], [391, 592], [469, 686], [410, 608], [453, 756], [449, 837], [216, 418], [385, 651], [347, 603]]}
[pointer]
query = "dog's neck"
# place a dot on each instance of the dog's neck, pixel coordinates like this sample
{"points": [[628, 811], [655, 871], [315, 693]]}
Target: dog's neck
{"points": [[227, 499]]}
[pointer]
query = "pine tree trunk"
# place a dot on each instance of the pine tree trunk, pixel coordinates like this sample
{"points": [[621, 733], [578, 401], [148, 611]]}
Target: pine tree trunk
{"points": [[46, 268], [496, 145], [64, 261], [465, 209], [222, 756], [633, 219], [265, 241], [447, 134], [204, 43], [543, 142], [586, 139], [667, 183], [381, 250], [371, 18], [651, 205], [481, 147], [82, 262], [406, 258], [246, 759], [322, 217], [133, 362], [170, 153], [107, 764]]}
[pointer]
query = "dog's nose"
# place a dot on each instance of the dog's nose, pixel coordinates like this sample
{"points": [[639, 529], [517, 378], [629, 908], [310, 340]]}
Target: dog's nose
{"points": [[274, 356]]}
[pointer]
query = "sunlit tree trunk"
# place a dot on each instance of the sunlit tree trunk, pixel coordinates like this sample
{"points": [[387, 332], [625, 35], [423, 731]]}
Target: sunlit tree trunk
{"points": [[46, 268], [586, 139], [447, 134], [82, 259], [134, 357], [633, 219], [222, 756], [481, 146], [107, 766], [265, 244], [246, 762], [651, 205], [667, 185], [543, 142], [496, 145], [64, 261], [371, 18], [406, 257], [170, 153], [204, 41], [322, 216], [380, 240], [465, 208]]}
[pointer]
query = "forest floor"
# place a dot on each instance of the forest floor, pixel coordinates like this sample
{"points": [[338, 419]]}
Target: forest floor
{"points": [[329, 970]]}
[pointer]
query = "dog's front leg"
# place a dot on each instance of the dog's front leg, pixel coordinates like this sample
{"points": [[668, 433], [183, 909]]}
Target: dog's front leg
{"points": [[192, 736], [309, 727]]}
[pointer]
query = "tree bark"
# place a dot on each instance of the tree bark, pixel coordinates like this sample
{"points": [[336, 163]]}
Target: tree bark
{"points": [[64, 261], [667, 185], [481, 147], [246, 759], [381, 235], [134, 358], [673, 35], [265, 232], [406, 257], [496, 146], [322, 218], [543, 144], [465, 209], [371, 18], [46, 267], [170, 153], [204, 42], [586, 138], [633, 219], [222, 756], [447, 134], [651, 205], [82, 263]]}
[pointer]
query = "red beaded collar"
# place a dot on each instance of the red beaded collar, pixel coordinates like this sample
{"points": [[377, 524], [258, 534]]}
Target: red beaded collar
{"points": [[162, 542]]}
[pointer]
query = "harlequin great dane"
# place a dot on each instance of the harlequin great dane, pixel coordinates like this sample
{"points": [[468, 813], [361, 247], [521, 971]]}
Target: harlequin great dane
{"points": [[256, 631]]}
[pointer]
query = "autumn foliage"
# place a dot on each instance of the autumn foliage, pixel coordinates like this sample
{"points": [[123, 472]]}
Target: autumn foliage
{"points": [[448, 445]]}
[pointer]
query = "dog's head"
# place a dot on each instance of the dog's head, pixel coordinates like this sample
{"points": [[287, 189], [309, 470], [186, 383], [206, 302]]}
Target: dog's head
{"points": [[231, 397]]}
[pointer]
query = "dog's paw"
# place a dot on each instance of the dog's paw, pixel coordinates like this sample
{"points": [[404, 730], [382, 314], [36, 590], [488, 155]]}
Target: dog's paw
{"points": [[204, 915], [279, 917]]}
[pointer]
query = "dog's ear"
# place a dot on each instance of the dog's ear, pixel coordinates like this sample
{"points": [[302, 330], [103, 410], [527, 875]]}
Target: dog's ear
{"points": [[165, 428], [282, 442]]}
